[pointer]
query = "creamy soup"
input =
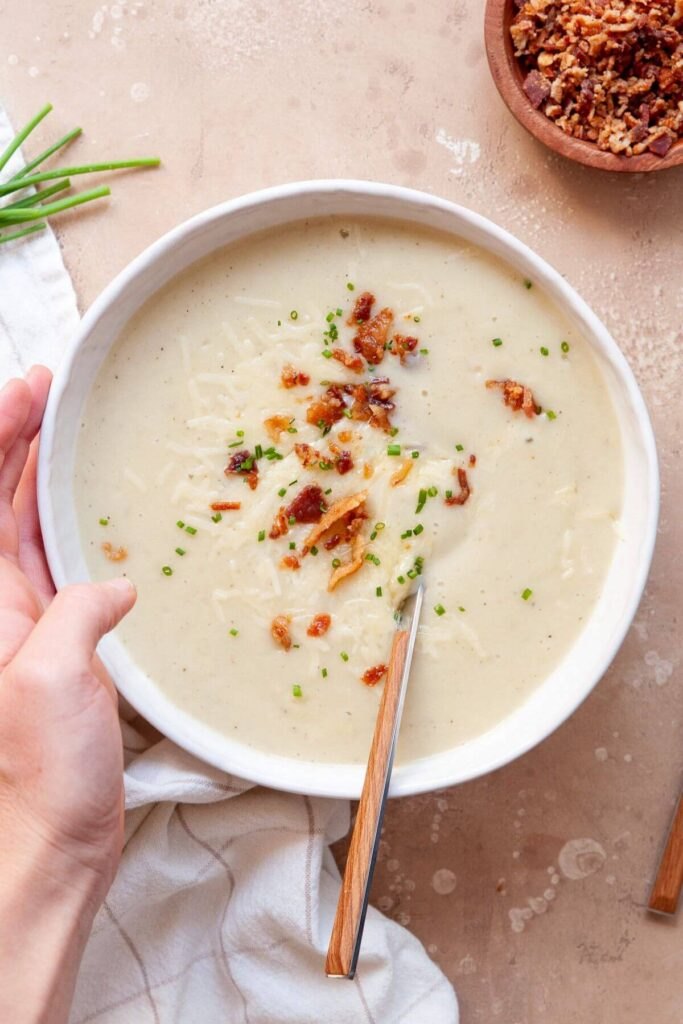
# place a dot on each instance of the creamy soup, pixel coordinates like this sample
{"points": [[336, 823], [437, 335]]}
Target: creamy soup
{"points": [[439, 392]]}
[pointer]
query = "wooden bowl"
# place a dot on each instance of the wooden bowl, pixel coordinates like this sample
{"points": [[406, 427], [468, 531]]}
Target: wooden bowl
{"points": [[508, 75]]}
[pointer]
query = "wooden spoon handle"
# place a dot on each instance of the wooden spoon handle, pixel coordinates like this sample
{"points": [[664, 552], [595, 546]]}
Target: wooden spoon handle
{"points": [[669, 881], [350, 916]]}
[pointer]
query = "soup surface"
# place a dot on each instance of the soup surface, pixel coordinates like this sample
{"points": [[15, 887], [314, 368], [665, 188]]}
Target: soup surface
{"points": [[465, 422]]}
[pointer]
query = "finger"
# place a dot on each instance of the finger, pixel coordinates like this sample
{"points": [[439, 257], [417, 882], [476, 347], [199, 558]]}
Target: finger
{"points": [[21, 409], [31, 552], [63, 643]]}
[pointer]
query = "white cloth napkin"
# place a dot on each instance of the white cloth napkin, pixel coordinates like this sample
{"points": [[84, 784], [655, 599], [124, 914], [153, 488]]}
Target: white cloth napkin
{"points": [[223, 903]]}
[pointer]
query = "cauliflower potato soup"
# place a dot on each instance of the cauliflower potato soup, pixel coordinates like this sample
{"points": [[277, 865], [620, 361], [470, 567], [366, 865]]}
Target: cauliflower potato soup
{"points": [[295, 429]]}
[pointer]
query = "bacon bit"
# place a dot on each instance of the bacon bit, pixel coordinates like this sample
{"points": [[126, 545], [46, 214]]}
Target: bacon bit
{"points": [[291, 378], [344, 462], [275, 425], [399, 476], [307, 455], [362, 308], [114, 554], [461, 498], [373, 675], [372, 403], [332, 542], [372, 336], [279, 630], [368, 471], [516, 396], [403, 345], [319, 625], [473, 460], [345, 436], [309, 505], [328, 408], [335, 512], [290, 562], [357, 561], [225, 506], [235, 467], [354, 363], [280, 524]]}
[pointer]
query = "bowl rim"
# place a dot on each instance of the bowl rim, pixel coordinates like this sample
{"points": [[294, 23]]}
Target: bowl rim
{"points": [[507, 75], [322, 778]]}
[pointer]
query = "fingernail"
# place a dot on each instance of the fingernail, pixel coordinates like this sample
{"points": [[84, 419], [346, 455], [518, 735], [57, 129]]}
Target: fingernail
{"points": [[123, 584]]}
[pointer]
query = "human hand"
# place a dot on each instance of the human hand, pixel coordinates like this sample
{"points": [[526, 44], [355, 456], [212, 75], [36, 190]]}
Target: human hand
{"points": [[61, 760]]}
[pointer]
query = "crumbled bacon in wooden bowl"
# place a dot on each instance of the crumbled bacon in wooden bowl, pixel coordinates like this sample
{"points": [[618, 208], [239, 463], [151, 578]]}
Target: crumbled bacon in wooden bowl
{"points": [[607, 72], [243, 464], [516, 396], [319, 624], [279, 630], [372, 676], [292, 378]]}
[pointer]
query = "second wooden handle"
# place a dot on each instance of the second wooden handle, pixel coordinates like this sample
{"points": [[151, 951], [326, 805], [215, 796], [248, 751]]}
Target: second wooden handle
{"points": [[667, 887], [357, 874]]}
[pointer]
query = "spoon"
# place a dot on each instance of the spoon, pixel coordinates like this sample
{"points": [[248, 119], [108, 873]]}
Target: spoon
{"points": [[669, 881], [347, 930]]}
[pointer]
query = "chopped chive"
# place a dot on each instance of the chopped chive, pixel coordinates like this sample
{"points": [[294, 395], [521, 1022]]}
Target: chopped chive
{"points": [[565, 346], [459, 447], [335, 563], [416, 319], [449, 494], [394, 431], [421, 500], [234, 632], [497, 342], [292, 430], [167, 570], [348, 414], [279, 323], [417, 530], [296, 690], [380, 526], [217, 517], [258, 452], [329, 317], [372, 558], [408, 533], [292, 545], [294, 315], [460, 608], [239, 433], [235, 444], [401, 579], [292, 520], [282, 492], [411, 574], [324, 464], [424, 351], [378, 591], [544, 351], [261, 535], [344, 656], [350, 286], [526, 593], [415, 455], [180, 524], [292, 482], [104, 522], [314, 550], [432, 491], [191, 530], [326, 352], [393, 449], [373, 535], [328, 491], [323, 673], [527, 283], [439, 609], [180, 551], [550, 414]]}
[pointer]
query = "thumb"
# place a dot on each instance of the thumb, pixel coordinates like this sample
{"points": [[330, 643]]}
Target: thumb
{"points": [[66, 636]]}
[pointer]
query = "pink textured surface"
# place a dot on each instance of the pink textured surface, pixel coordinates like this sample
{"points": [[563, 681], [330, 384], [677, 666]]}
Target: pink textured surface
{"points": [[531, 925]]}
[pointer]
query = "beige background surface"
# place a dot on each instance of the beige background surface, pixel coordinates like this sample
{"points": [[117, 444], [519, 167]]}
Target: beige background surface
{"points": [[531, 924]]}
